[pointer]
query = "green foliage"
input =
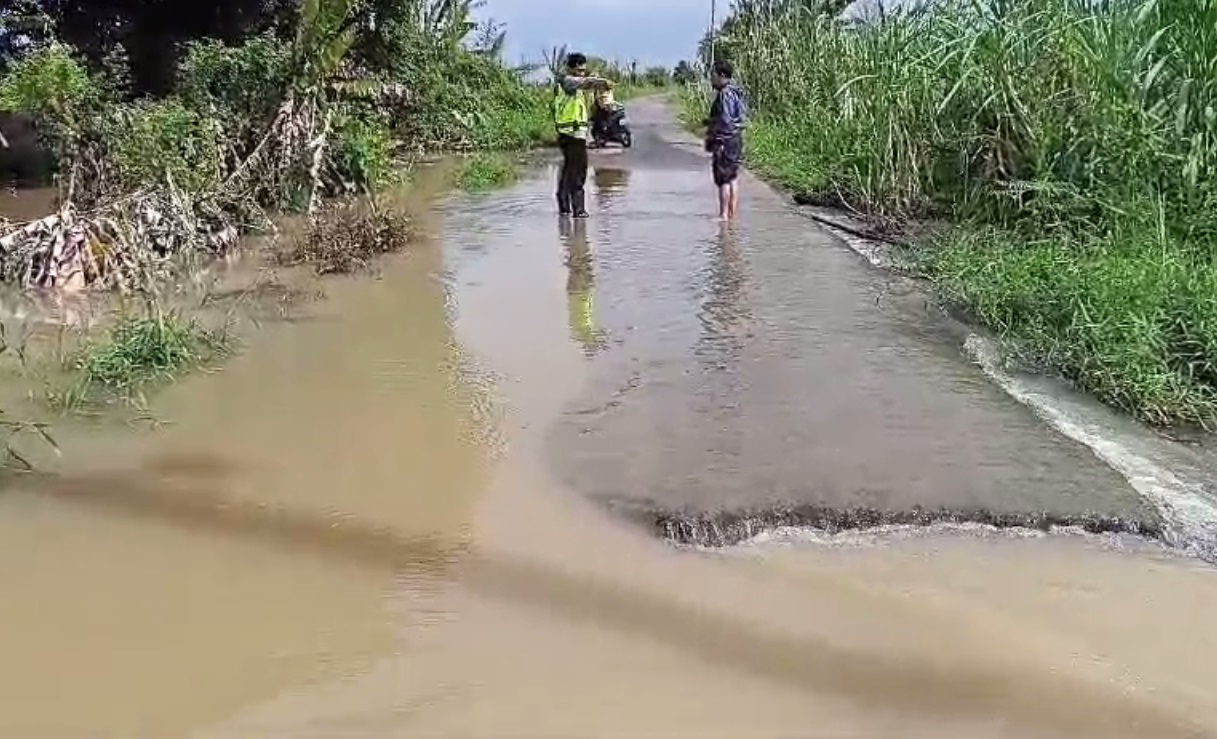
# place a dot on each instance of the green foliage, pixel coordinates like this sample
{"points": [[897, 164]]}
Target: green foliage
{"points": [[1070, 140], [324, 36], [364, 147], [979, 108], [684, 74], [656, 77], [1129, 316], [241, 85], [154, 33], [465, 101], [512, 116], [54, 87], [154, 139], [408, 81], [481, 172], [140, 352]]}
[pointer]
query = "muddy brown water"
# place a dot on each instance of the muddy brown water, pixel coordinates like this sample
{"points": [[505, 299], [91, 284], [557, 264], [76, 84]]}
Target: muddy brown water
{"points": [[397, 517]]}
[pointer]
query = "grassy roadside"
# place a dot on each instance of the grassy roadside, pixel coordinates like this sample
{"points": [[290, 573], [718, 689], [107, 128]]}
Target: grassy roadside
{"points": [[484, 171], [1084, 221]]}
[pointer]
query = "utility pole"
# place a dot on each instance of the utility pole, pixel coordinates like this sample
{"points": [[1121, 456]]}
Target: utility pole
{"points": [[713, 39]]}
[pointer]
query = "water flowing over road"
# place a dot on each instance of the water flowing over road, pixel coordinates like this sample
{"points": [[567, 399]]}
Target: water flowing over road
{"points": [[417, 513]]}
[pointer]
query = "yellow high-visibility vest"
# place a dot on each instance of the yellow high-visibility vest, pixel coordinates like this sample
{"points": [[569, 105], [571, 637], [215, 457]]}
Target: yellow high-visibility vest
{"points": [[570, 111]]}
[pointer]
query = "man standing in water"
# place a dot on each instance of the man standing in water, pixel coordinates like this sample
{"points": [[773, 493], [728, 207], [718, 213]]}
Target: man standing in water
{"points": [[571, 119], [725, 137]]}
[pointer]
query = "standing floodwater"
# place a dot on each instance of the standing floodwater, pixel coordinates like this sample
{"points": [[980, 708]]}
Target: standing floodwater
{"points": [[389, 520]]}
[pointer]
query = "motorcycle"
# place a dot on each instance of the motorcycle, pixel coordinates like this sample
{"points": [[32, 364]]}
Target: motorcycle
{"points": [[609, 125]]}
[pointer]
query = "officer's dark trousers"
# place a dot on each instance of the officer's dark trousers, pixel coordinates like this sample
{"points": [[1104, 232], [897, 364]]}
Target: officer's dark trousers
{"points": [[573, 176]]}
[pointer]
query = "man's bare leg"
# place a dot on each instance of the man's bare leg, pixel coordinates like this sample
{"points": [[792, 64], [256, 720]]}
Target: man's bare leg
{"points": [[724, 202], [733, 208]]}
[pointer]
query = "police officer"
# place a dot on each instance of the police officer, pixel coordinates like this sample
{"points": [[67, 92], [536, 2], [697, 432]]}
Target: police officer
{"points": [[571, 119]]}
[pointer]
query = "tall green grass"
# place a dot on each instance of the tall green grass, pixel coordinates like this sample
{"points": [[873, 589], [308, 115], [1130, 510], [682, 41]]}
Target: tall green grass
{"points": [[1072, 141]]}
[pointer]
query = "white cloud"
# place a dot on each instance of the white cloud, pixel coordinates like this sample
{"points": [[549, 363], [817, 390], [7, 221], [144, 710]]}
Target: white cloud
{"points": [[650, 31]]}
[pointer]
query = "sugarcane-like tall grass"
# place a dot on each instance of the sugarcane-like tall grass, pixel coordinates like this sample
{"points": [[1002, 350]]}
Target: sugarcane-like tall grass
{"points": [[1075, 139], [1085, 104]]}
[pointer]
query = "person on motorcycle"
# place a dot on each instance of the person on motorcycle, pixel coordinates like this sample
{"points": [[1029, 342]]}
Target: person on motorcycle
{"points": [[602, 113], [571, 119]]}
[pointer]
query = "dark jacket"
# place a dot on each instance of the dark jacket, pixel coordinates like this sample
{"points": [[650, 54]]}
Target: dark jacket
{"points": [[728, 113]]}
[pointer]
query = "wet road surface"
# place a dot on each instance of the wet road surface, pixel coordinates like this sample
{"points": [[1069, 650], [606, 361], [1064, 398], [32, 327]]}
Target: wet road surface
{"points": [[763, 365], [360, 527]]}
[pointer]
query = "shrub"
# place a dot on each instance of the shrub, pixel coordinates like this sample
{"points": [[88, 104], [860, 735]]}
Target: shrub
{"points": [[345, 237], [52, 85], [242, 84], [150, 140], [363, 148]]}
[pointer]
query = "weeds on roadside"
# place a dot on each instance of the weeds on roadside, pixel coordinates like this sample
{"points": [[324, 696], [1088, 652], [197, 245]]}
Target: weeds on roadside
{"points": [[482, 172], [345, 237], [138, 353], [1126, 316]]}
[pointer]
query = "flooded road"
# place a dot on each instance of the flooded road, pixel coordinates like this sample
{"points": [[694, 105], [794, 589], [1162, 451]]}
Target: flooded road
{"points": [[399, 517], [762, 364]]}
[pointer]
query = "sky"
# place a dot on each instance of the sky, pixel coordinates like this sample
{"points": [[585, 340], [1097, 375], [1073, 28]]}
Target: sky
{"points": [[654, 32]]}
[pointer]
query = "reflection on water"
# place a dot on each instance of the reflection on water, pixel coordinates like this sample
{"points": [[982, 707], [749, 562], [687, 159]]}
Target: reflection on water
{"points": [[723, 311], [611, 183], [53, 307], [581, 286], [25, 204]]}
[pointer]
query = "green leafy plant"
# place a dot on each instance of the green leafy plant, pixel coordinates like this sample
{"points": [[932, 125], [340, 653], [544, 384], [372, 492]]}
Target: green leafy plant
{"points": [[151, 140], [54, 87], [364, 148], [241, 85], [138, 353], [481, 172]]}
